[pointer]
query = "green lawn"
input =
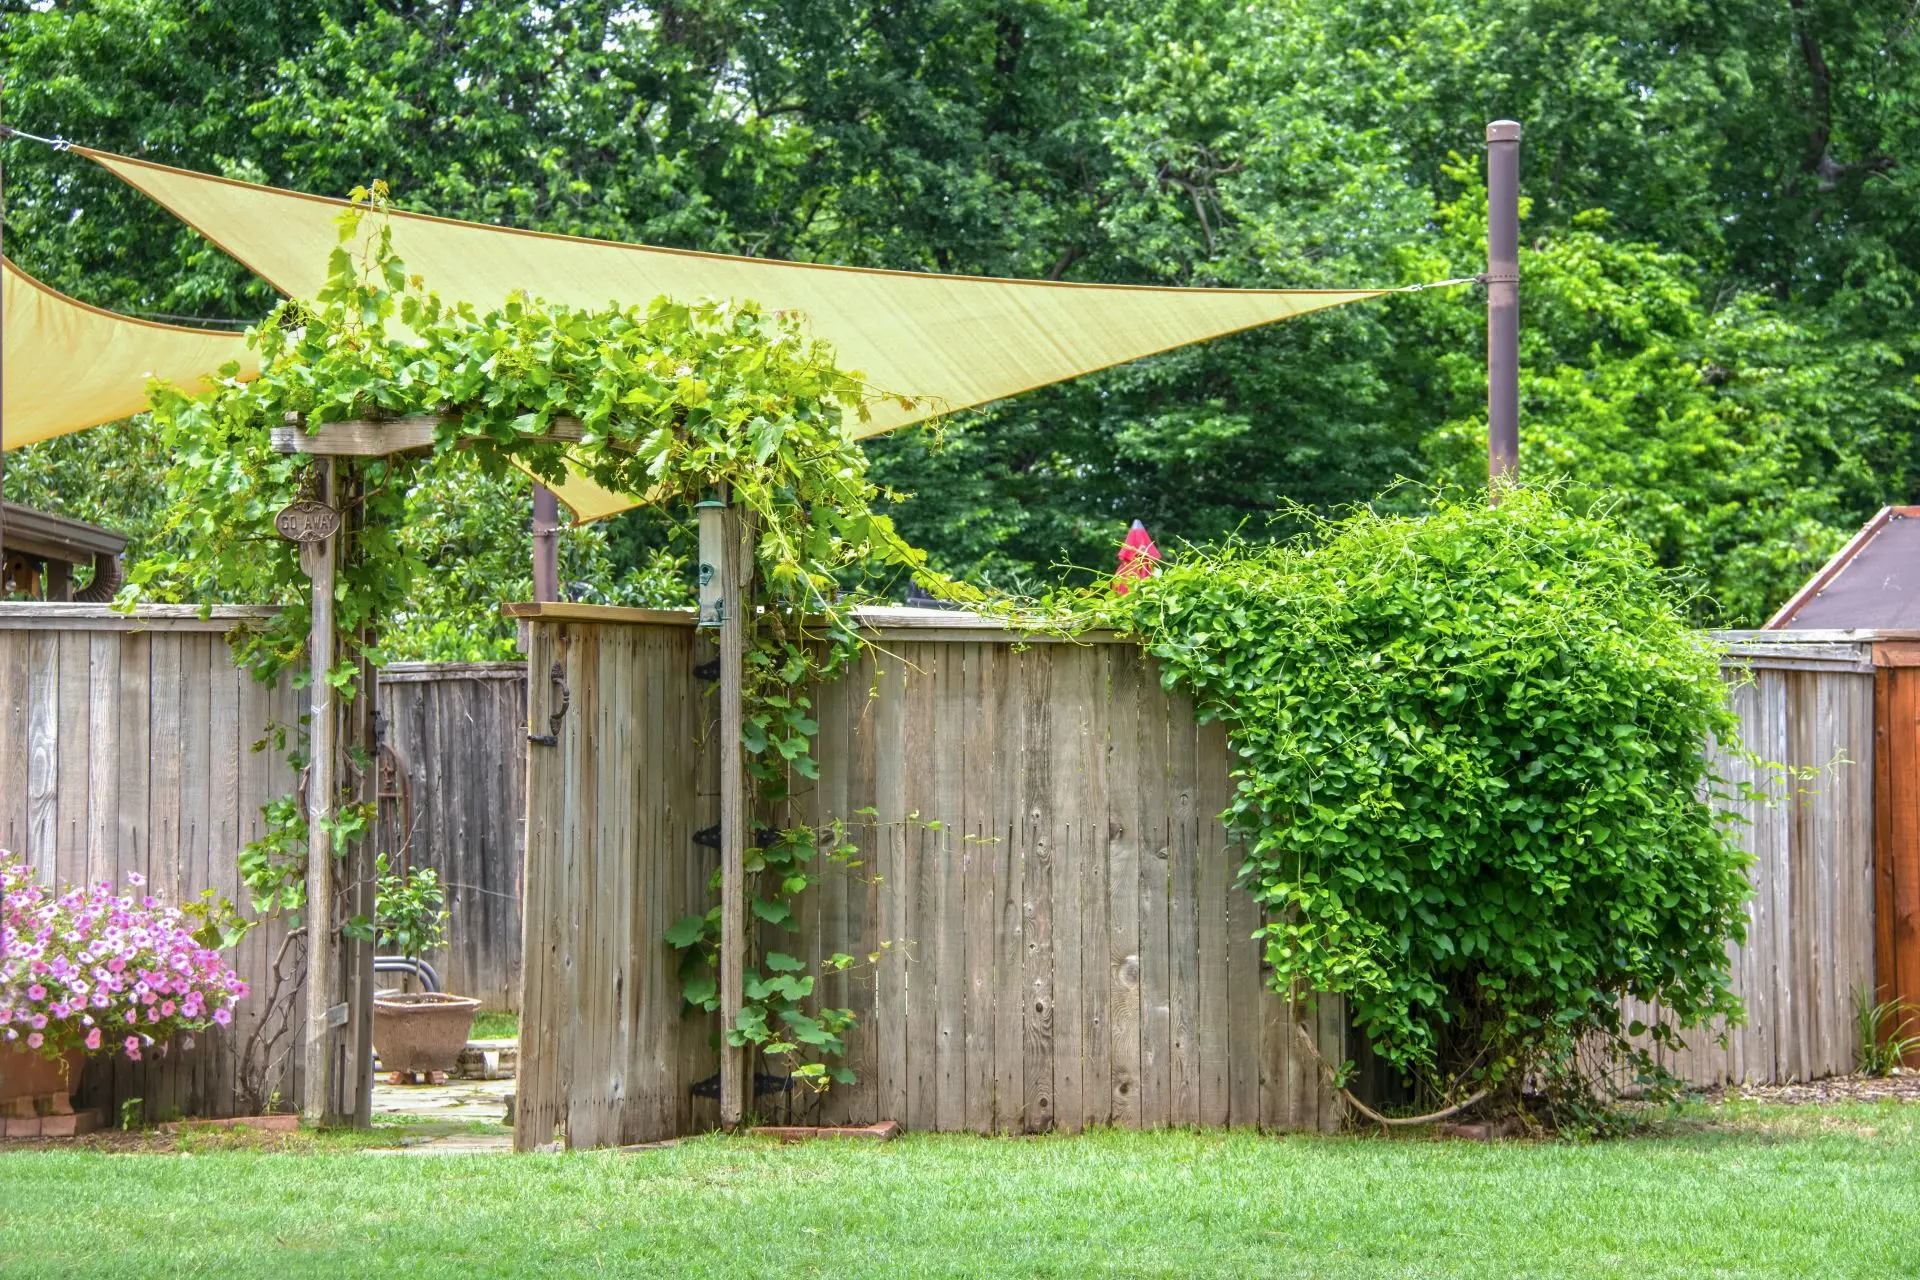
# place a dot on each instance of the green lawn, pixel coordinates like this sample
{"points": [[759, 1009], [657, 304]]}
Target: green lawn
{"points": [[492, 1024], [1831, 1191]]}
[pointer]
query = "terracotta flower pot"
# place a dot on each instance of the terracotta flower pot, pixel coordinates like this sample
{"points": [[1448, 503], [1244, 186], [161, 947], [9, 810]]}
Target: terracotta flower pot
{"points": [[32, 1085], [422, 1030]]}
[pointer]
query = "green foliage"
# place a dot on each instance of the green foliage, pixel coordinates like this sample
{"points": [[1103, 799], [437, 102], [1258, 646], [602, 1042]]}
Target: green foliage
{"points": [[1470, 776], [468, 530], [1739, 446], [408, 910], [273, 867], [1880, 1031], [1758, 152]]}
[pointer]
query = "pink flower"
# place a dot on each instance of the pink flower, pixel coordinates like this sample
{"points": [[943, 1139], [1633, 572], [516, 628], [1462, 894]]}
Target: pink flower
{"points": [[222, 1015], [166, 1008], [93, 1039], [133, 1047], [135, 878], [36, 992], [35, 1040]]}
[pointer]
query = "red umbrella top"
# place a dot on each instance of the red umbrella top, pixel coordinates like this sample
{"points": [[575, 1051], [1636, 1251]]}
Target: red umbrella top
{"points": [[1138, 556]]}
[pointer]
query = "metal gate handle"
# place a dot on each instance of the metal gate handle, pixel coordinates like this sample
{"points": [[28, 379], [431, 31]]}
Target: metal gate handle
{"points": [[551, 738]]}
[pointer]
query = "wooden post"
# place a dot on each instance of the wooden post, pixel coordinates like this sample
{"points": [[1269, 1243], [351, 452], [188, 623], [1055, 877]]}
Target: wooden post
{"points": [[736, 572], [319, 558], [1503, 305]]}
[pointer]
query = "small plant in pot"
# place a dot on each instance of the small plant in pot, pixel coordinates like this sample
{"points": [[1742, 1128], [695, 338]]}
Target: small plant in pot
{"points": [[87, 972], [419, 1033]]}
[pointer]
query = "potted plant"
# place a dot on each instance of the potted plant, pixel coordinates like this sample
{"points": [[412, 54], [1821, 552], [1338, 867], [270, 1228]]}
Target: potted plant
{"points": [[84, 971], [419, 1032]]}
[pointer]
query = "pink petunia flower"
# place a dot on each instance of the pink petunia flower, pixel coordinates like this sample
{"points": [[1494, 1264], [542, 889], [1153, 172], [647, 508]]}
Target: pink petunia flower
{"points": [[35, 1040], [93, 1039]]}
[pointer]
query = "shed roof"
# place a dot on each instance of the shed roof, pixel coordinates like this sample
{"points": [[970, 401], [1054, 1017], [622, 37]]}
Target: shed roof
{"points": [[52, 537], [1872, 582]]}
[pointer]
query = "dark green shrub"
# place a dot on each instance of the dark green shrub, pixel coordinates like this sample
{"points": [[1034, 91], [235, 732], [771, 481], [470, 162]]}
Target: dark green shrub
{"points": [[1471, 777]]}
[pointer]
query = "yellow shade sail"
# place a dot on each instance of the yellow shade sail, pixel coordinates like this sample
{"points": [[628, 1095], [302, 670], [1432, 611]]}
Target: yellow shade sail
{"points": [[70, 366], [945, 342]]}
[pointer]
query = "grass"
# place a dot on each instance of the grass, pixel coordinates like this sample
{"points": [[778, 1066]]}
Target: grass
{"points": [[492, 1024], [1730, 1191]]}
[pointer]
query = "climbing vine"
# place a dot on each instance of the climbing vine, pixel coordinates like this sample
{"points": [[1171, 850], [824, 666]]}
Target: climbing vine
{"points": [[1472, 782], [674, 400]]}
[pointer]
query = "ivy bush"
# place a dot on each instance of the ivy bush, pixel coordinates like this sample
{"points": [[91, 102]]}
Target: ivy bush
{"points": [[1471, 777]]}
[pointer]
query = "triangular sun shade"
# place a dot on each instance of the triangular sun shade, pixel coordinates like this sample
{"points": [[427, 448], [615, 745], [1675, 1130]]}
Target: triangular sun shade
{"points": [[70, 366], [945, 342]]}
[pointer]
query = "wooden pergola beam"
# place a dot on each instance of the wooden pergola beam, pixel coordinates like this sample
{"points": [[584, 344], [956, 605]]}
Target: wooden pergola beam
{"points": [[368, 438]]}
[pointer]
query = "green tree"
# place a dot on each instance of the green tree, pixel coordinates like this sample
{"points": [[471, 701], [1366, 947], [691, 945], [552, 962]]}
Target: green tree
{"points": [[1758, 147]]}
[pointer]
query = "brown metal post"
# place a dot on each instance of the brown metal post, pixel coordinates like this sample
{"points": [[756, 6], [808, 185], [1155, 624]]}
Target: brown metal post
{"points": [[1503, 305], [546, 543]]}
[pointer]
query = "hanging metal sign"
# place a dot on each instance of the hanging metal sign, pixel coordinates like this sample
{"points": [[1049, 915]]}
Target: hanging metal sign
{"points": [[307, 522]]}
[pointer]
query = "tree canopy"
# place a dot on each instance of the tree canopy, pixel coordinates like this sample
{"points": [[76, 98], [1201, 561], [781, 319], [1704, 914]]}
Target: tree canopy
{"points": [[1720, 239]]}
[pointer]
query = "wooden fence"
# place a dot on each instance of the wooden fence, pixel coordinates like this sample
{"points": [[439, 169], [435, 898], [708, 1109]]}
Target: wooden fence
{"points": [[1067, 948], [1064, 950], [1807, 712], [1897, 822], [126, 744], [455, 800]]}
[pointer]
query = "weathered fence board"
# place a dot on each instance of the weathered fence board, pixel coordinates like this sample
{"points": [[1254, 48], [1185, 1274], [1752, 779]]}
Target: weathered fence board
{"points": [[607, 1056], [1807, 712]]}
